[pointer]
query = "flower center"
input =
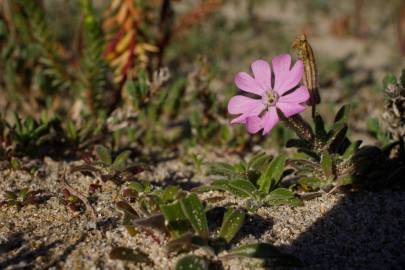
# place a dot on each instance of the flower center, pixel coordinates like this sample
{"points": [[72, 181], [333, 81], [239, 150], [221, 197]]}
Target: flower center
{"points": [[270, 98]]}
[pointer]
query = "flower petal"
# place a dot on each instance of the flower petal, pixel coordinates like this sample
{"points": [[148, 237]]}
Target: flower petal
{"points": [[290, 109], [253, 124], [281, 63], [246, 83], [255, 110], [270, 119], [286, 79], [261, 70], [300, 95], [241, 104]]}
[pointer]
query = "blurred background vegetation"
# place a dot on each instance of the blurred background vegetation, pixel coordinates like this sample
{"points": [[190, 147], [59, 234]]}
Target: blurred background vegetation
{"points": [[134, 73]]}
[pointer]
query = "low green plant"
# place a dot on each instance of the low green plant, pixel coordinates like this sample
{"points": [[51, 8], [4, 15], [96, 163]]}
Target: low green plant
{"points": [[29, 134], [109, 168], [257, 182], [183, 217], [22, 197]]}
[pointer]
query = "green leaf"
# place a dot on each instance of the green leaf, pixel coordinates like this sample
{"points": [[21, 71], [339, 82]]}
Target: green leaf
{"points": [[194, 211], [320, 132], [127, 209], [298, 143], [104, 154], [342, 116], [271, 176], [223, 169], [231, 224], [138, 187], [338, 138], [327, 164], [128, 254], [310, 183], [282, 196], [10, 195], [170, 193], [156, 221], [129, 216], [373, 125], [309, 153], [71, 130], [244, 186], [18, 125], [183, 242], [240, 188], [264, 251], [352, 149], [402, 78], [258, 161], [23, 192], [389, 79], [177, 222], [120, 160], [192, 262], [345, 180]]}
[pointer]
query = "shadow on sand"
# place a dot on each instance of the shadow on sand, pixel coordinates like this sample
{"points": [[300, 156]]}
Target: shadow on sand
{"points": [[365, 230]]}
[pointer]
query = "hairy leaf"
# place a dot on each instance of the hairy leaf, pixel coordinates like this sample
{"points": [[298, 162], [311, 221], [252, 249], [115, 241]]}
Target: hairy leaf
{"points": [[310, 183], [156, 221], [320, 132], [281, 196], [223, 169], [352, 149], [231, 224], [327, 164], [259, 161], [389, 79], [120, 160], [272, 175], [298, 143], [138, 187], [192, 262], [265, 251], [194, 211], [104, 154], [402, 78], [177, 222], [127, 209], [342, 117], [128, 254]]}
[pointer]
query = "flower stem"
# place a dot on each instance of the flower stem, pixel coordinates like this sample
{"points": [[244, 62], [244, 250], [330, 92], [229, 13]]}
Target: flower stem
{"points": [[301, 127]]}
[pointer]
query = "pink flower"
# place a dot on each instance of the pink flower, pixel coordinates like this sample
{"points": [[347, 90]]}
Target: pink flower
{"points": [[284, 93]]}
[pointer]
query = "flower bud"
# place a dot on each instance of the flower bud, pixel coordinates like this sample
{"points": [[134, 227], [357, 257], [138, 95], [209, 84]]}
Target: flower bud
{"points": [[311, 78]]}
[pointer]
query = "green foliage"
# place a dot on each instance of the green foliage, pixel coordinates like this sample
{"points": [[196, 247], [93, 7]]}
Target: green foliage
{"points": [[256, 181], [231, 224], [192, 262], [128, 254], [331, 159], [21, 198], [28, 135], [272, 174], [93, 79], [373, 126], [389, 79], [116, 169], [185, 220], [264, 251]]}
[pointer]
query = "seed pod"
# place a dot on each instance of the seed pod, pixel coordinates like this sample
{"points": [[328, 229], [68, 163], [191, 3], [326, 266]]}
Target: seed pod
{"points": [[311, 78]]}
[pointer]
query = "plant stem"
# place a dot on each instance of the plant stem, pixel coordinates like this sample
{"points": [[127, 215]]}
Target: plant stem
{"points": [[301, 127]]}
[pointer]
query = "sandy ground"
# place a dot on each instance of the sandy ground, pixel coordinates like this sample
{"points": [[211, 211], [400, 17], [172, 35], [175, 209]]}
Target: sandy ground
{"points": [[362, 230], [343, 231]]}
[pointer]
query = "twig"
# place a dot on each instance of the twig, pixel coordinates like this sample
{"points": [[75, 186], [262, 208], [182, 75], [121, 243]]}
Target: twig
{"points": [[89, 207], [332, 190]]}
